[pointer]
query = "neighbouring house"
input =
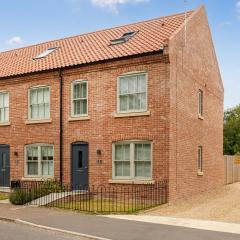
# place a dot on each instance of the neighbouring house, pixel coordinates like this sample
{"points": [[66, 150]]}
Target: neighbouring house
{"points": [[127, 105]]}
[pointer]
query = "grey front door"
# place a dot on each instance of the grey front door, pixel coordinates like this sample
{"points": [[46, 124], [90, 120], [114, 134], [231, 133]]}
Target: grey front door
{"points": [[79, 165], [4, 166]]}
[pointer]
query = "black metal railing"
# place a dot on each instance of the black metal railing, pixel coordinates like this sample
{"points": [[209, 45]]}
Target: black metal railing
{"points": [[97, 199]]}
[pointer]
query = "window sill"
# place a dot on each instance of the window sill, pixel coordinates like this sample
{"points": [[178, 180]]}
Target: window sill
{"points": [[5, 124], [132, 114], [38, 121], [129, 181], [200, 173], [37, 179], [200, 117], [84, 118]]}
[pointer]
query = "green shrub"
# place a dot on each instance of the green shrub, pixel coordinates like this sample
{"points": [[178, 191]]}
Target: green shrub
{"points": [[20, 197]]}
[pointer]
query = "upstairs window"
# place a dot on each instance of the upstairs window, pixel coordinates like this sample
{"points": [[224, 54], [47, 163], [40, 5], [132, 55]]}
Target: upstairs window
{"points": [[39, 160], [200, 103], [4, 107], [132, 93], [39, 103], [80, 98]]}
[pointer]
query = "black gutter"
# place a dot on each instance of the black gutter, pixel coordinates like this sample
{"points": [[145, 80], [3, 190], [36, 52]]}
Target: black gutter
{"points": [[61, 126]]}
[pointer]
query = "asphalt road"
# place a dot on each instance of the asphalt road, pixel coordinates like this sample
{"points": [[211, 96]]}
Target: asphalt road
{"points": [[12, 231]]}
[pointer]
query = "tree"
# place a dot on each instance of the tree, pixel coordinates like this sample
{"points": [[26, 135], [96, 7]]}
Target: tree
{"points": [[231, 131]]}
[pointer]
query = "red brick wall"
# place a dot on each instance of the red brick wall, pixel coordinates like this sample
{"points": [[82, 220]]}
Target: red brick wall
{"points": [[18, 134], [102, 128], [195, 67]]}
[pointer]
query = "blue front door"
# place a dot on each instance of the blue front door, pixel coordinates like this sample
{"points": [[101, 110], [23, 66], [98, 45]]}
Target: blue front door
{"points": [[79, 165], [4, 166]]}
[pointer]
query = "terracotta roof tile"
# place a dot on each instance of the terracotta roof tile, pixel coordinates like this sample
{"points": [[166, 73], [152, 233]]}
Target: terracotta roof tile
{"points": [[91, 47]]}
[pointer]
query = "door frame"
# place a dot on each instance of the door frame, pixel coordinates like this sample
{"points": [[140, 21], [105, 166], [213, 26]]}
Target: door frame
{"points": [[78, 143], [7, 146]]}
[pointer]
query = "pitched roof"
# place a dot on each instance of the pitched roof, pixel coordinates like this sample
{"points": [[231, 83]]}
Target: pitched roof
{"points": [[91, 47]]}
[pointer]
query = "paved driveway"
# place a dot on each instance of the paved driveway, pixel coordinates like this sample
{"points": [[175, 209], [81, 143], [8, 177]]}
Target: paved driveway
{"points": [[220, 205]]}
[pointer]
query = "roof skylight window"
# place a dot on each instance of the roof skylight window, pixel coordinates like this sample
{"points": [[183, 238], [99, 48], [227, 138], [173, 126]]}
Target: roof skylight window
{"points": [[124, 38], [45, 53]]}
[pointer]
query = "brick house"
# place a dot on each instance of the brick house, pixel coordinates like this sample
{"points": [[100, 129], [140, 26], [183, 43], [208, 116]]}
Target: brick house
{"points": [[127, 105]]}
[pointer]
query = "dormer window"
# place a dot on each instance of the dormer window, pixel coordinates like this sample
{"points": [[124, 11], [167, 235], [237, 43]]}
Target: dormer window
{"points": [[124, 38]]}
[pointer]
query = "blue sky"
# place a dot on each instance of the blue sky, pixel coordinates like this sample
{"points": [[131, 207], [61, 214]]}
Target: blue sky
{"points": [[31, 21]]}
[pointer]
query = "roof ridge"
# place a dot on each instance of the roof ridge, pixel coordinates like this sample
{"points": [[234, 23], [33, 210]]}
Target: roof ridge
{"points": [[100, 30]]}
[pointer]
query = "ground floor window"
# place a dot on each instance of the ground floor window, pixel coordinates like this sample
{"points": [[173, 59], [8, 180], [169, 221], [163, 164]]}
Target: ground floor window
{"points": [[132, 160], [39, 160]]}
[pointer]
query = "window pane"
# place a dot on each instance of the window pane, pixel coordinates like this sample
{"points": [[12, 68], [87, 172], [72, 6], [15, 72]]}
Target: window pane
{"points": [[44, 153], [6, 100], [34, 112], [123, 85], [147, 152], [1, 100], [126, 152], [46, 111], [142, 169], [40, 95], [41, 111], [1, 114], [138, 152], [46, 95], [83, 90], [142, 85], [47, 168], [123, 103], [33, 96], [118, 152], [6, 114], [32, 168], [132, 84], [77, 107], [122, 169], [50, 153], [83, 109], [137, 101], [76, 91], [143, 100], [131, 104]]}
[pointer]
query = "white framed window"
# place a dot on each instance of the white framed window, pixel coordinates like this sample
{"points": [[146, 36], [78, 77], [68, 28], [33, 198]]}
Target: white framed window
{"points": [[132, 160], [79, 98], [39, 103], [39, 160], [200, 103], [200, 159], [132, 93], [4, 107]]}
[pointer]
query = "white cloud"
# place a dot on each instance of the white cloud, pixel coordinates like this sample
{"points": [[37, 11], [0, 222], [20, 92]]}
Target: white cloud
{"points": [[15, 40], [238, 9], [113, 4]]}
